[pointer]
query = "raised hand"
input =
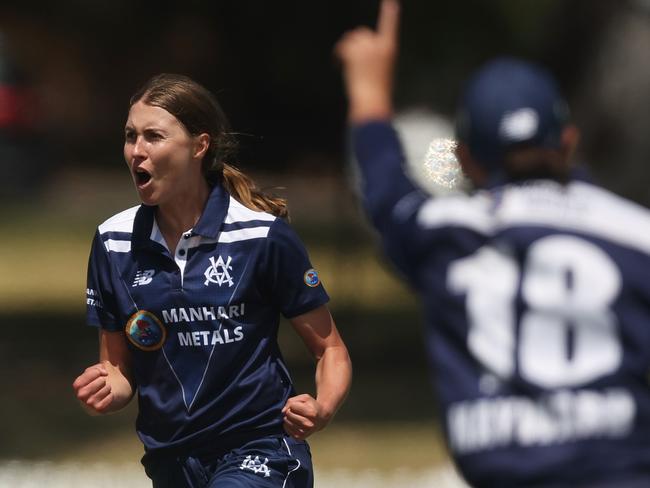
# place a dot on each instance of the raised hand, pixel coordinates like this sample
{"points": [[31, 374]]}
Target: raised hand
{"points": [[368, 58]]}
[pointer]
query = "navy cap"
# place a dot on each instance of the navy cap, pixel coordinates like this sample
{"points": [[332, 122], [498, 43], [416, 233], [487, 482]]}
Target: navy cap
{"points": [[507, 103]]}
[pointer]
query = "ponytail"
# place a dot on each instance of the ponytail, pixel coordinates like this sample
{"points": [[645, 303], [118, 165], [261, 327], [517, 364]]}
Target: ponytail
{"points": [[243, 189], [199, 111]]}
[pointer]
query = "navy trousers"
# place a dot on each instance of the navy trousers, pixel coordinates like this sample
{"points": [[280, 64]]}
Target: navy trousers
{"points": [[275, 461]]}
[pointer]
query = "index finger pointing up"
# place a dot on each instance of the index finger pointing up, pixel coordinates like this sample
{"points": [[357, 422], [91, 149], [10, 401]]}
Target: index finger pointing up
{"points": [[388, 21]]}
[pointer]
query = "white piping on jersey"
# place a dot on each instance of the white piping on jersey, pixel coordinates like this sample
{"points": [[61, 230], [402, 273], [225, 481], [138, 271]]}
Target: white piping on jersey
{"points": [[214, 346], [175, 376], [196, 241], [236, 235], [117, 246], [284, 368], [243, 234], [227, 237], [124, 220], [207, 366], [578, 207], [120, 222], [295, 459], [240, 213]]}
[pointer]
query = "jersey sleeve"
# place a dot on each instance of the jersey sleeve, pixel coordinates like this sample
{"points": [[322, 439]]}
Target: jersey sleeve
{"points": [[101, 304], [293, 283], [390, 199]]}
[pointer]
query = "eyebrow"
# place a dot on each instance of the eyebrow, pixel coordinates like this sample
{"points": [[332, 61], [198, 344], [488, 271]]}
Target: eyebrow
{"points": [[148, 128]]}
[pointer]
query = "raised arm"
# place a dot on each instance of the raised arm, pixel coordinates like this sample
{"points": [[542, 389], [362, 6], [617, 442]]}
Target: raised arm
{"points": [[107, 386], [368, 58], [304, 414]]}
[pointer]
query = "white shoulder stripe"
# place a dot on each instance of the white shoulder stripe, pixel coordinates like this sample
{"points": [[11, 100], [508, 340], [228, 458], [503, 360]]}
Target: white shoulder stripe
{"points": [[579, 207], [457, 210], [117, 246], [587, 209], [240, 213], [244, 234], [121, 222]]}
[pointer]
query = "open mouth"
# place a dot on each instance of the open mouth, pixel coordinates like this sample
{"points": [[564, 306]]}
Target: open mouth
{"points": [[142, 177]]}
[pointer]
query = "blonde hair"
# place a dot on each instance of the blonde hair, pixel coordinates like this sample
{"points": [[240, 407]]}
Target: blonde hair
{"points": [[244, 189], [199, 111]]}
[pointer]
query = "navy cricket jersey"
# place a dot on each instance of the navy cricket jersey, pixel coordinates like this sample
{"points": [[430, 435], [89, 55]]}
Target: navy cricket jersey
{"points": [[537, 301], [202, 324]]}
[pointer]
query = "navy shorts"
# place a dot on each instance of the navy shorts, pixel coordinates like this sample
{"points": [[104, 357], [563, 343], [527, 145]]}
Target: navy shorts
{"points": [[275, 461]]}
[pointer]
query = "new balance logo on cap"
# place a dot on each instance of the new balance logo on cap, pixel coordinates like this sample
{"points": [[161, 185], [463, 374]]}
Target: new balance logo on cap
{"points": [[519, 125], [506, 103]]}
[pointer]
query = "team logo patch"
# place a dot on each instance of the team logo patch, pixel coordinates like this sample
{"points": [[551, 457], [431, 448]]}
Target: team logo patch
{"points": [[311, 278], [218, 272], [145, 331], [256, 465]]}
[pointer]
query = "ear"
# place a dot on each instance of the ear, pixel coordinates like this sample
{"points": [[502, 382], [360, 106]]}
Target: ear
{"points": [[201, 145], [569, 140], [474, 171]]}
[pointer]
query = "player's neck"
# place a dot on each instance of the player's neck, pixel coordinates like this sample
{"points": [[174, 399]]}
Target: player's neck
{"points": [[180, 215]]}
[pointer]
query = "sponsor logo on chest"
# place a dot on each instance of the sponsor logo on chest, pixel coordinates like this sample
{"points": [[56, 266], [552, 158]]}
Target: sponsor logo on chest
{"points": [[225, 334], [207, 313]]}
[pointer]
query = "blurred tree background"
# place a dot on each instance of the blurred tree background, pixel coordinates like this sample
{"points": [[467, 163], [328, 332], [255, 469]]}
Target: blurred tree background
{"points": [[67, 70]]}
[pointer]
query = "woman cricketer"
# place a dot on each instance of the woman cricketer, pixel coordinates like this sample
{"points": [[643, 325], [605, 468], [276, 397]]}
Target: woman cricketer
{"points": [[187, 290]]}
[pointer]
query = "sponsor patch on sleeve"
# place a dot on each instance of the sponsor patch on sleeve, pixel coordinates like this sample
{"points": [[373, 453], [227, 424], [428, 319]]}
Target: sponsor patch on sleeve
{"points": [[311, 278]]}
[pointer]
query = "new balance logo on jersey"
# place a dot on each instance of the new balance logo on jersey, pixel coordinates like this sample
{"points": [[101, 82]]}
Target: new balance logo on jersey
{"points": [[256, 466], [218, 272], [143, 277]]}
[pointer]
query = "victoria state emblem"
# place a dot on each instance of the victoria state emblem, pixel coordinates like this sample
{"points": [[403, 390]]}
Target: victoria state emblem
{"points": [[311, 278], [219, 272], [145, 331]]}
